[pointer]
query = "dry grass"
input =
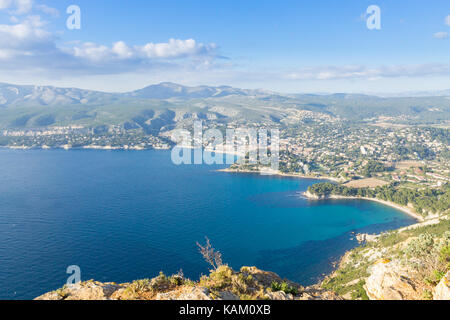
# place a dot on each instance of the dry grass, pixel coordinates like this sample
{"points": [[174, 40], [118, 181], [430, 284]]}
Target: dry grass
{"points": [[408, 164], [388, 125], [366, 183]]}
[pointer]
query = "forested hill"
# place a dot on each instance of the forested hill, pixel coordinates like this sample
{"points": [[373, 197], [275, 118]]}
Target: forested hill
{"points": [[424, 201]]}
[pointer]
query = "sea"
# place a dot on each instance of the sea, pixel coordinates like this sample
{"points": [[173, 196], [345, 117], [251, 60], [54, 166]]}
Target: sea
{"points": [[119, 216]]}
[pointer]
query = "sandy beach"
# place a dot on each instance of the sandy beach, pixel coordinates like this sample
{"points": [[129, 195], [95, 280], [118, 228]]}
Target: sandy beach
{"points": [[406, 210]]}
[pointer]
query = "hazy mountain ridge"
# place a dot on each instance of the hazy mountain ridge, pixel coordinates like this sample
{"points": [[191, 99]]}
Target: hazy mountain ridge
{"points": [[157, 106], [18, 95]]}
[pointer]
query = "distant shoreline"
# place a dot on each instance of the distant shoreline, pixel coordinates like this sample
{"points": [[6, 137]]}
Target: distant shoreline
{"points": [[280, 174], [88, 147], [406, 210]]}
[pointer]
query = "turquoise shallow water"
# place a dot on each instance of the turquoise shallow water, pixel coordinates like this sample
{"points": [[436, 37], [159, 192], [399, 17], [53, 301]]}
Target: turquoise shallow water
{"points": [[122, 216]]}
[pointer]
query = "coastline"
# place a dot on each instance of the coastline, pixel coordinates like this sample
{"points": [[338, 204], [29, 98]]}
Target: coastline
{"points": [[279, 174], [88, 147], [406, 210]]}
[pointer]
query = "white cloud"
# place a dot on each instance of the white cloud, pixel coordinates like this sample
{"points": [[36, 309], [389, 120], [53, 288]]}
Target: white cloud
{"points": [[5, 4], [447, 20], [91, 51], [23, 6], [368, 73], [18, 6], [27, 46], [48, 10], [122, 50], [24, 35], [176, 48], [172, 50], [441, 35]]}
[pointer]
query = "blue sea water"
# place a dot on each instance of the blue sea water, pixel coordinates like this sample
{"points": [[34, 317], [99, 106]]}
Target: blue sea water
{"points": [[125, 215]]}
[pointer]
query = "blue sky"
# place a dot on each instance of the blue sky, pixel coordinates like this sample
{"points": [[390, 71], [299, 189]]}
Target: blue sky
{"points": [[288, 46]]}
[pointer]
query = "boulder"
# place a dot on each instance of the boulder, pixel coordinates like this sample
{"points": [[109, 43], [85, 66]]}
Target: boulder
{"points": [[264, 278], [186, 293], [389, 281], [317, 293], [442, 290], [226, 295], [280, 295], [89, 290]]}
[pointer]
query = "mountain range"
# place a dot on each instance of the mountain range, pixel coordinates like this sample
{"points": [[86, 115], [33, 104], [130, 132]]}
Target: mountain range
{"points": [[26, 106], [15, 95]]}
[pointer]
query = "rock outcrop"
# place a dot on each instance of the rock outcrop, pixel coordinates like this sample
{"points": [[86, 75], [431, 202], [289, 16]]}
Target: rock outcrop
{"points": [[222, 284], [389, 281], [186, 293], [442, 290], [89, 290]]}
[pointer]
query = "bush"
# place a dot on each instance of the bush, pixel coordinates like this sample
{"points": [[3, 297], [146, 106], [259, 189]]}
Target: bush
{"points": [[430, 256], [285, 287], [139, 286], [359, 293], [218, 279]]}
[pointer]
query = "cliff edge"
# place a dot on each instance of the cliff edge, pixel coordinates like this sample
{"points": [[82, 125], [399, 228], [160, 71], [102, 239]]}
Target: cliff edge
{"points": [[249, 283]]}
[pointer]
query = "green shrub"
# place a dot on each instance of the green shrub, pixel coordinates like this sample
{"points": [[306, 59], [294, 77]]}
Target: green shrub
{"points": [[435, 277], [359, 293], [218, 279], [139, 286], [285, 287], [427, 295]]}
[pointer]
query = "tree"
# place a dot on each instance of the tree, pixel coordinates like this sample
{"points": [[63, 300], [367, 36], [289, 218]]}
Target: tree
{"points": [[213, 257]]}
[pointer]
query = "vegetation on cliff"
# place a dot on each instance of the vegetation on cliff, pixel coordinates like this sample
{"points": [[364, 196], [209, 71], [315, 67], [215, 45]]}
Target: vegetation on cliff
{"points": [[405, 264], [424, 200], [223, 283]]}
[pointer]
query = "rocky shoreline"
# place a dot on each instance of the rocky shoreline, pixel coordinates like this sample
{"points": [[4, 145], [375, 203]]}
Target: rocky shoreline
{"points": [[88, 147]]}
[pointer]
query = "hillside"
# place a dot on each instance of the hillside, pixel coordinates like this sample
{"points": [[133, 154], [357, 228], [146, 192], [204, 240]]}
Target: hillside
{"points": [[412, 263], [168, 104]]}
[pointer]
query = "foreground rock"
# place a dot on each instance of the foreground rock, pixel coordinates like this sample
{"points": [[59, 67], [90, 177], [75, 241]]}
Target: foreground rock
{"points": [[185, 293], [442, 290], [90, 290], [389, 281], [222, 284], [407, 264]]}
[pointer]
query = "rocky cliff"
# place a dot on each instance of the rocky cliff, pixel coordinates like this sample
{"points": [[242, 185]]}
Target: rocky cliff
{"points": [[249, 283], [410, 264]]}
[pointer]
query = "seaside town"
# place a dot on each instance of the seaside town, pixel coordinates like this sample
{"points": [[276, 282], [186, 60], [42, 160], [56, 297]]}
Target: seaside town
{"points": [[359, 154]]}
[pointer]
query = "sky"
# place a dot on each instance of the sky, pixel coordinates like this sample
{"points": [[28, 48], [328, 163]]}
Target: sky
{"points": [[294, 46]]}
